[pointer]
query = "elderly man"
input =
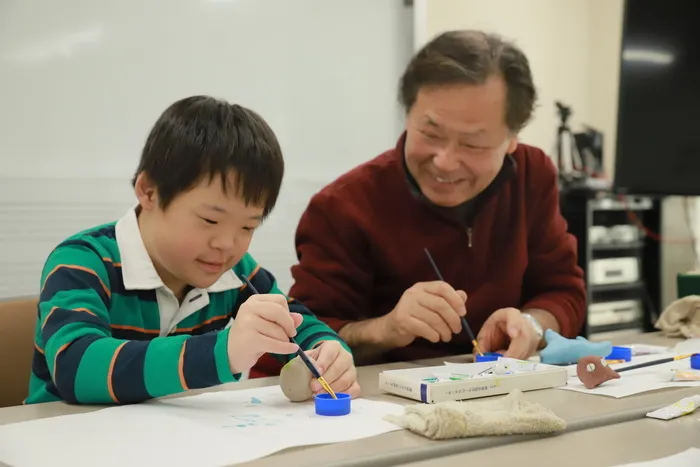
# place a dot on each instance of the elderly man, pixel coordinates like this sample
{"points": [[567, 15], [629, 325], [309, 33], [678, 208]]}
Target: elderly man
{"points": [[459, 184]]}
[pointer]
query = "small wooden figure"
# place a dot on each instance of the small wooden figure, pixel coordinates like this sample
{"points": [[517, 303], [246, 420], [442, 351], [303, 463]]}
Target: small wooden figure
{"points": [[594, 371]]}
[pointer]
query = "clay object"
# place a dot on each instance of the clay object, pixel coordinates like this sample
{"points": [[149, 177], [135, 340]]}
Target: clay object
{"points": [[560, 350], [594, 371], [295, 381]]}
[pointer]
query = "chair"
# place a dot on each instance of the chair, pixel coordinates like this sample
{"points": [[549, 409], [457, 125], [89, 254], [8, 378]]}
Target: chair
{"points": [[17, 321]]}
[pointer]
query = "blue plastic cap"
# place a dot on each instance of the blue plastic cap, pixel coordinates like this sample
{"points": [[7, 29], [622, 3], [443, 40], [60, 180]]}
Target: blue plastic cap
{"points": [[487, 357], [326, 405], [620, 353], [695, 361]]}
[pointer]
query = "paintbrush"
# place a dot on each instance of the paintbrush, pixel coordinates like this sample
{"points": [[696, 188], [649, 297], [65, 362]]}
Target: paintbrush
{"points": [[465, 325], [305, 358], [660, 361]]}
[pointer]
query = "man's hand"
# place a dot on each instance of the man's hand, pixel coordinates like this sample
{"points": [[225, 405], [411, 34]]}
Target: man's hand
{"points": [[430, 310], [263, 325], [336, 366], [506, 331]]}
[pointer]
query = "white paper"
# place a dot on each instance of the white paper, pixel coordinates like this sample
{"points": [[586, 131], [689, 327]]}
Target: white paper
{"points": [[646, 349], [209, 430], [689, 458], [634, 381], [687, 346]]}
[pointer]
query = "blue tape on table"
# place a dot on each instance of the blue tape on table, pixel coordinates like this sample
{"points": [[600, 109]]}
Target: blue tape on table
{"points": [[487, 357], [620, 353], [326, 405], [695, 361]]}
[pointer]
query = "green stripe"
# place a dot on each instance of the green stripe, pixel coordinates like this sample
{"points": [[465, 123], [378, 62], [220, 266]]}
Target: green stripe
{"points": [[161, 367], [91, 381]]}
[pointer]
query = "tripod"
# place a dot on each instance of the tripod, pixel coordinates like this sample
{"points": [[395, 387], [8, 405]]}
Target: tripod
{"points": [[568, 158]]}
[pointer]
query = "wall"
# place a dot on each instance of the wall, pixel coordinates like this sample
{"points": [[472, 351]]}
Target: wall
{"points": [[84, 81], [553, 33], [574, 49]]}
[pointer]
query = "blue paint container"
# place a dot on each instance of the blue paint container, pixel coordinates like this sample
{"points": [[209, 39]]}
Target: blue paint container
{"points": [[487, 357], [327, 406], [695, 361], [620, 353]]}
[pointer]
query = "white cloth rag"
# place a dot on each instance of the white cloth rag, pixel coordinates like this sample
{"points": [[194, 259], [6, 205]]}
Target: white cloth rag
{"points": [[681, 318], [507, 415]]}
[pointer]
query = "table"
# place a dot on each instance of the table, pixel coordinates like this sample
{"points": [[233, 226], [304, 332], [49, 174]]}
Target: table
{"points": [[612, 445], [581, 411]]}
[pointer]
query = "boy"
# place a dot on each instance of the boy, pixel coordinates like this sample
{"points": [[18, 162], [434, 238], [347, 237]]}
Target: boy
{"points": [[143, 307]]}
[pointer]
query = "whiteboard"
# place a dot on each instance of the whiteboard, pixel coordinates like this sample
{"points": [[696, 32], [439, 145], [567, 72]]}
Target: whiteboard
{"points": [[83, 81]]}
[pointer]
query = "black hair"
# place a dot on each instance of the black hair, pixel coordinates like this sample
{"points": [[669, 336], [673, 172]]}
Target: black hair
{"points": [[201, 136]]}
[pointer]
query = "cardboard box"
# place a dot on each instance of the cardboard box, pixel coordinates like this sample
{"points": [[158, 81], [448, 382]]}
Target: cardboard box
{"points": [[411, 383]]}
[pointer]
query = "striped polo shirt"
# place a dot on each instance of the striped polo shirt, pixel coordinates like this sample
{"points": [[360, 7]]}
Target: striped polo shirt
{"points": [[109, 330]]}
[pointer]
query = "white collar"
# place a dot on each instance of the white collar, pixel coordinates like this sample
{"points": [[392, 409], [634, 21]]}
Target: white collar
{"points": [[137, 268]]}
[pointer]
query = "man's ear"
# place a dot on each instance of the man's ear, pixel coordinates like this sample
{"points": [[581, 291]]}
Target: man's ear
{"points": [[146, 192]]}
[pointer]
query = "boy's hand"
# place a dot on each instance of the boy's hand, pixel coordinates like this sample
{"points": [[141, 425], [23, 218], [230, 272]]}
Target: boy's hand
{"points": [[336, 366], [263, 325]]}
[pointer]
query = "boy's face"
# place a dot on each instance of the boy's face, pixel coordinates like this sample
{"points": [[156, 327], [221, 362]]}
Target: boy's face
{"points": [[200, 235]]}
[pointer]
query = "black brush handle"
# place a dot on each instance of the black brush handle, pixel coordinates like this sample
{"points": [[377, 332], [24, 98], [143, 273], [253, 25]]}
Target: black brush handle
{"points": [[309, 364], [644, 365]]}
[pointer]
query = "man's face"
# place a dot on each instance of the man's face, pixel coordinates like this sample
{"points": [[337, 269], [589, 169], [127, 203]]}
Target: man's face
{"points": [[202, 233], [457, 139]]}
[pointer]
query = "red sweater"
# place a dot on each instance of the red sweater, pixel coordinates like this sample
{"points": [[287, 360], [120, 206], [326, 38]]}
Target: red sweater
{"points": [[360, 246]]}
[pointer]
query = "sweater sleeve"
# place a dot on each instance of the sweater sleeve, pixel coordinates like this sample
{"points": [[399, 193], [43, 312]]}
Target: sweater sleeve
{"points": [[333, 276], [553, 280], [89, 366]]}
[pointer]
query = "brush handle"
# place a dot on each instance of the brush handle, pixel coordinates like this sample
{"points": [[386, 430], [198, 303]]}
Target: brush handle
{"points": [[305, 358], [647, 364], [465, 325], [309, 364]]}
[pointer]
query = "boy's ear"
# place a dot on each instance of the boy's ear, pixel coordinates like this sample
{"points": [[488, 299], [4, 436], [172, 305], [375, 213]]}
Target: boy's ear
{"points": [[146, 192]]}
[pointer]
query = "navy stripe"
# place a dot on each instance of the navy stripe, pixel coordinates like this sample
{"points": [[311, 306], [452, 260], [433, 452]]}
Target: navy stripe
{"points": [[62, 317], [199, 364], [130, 334], [41, 371], [67, 365], [116, 279], [142, 295], [315, 336], [263, 280], [128, 382], [243, 295], [67, 278], [108, 231], [298, 307], [114, 273], [214, 326]]}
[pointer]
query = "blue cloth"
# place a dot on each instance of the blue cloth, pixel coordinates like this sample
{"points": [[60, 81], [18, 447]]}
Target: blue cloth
{"points": [[560, 350]]}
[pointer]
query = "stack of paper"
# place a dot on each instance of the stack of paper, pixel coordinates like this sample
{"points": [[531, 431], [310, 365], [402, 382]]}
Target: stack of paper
{"points": [[210, 430]]}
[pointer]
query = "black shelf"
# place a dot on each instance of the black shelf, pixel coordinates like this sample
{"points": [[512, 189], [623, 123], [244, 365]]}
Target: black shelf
{"points": [[584, 209], [617, 246], [627, 326], [616, 287]]}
